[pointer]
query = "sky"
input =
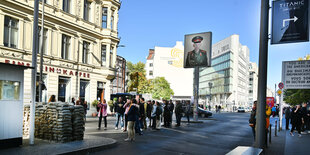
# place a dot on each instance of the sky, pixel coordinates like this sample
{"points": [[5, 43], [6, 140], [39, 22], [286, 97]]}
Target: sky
{"points": [[144, 24]]}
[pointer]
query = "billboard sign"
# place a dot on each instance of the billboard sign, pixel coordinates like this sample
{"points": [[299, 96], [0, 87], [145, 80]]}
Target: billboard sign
{"points": [[290, 21], [270, 101], [197, 50], [296, 74]]}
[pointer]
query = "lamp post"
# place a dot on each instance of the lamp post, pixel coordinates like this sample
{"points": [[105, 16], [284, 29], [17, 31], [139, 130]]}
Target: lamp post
{"points": [[210, 86]]}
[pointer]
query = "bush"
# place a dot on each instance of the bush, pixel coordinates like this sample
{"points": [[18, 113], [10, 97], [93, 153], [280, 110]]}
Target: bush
{"points": [[95, 103]]}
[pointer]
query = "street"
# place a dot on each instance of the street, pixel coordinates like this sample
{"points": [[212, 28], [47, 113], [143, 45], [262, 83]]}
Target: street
{"points": [[217, 135]]}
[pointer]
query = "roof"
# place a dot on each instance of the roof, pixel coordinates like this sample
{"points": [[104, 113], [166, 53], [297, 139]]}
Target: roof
{"points": [[151, 54]]}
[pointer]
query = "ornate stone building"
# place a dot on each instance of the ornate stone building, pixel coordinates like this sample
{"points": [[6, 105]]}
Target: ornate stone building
{"points": [[80, 45]]}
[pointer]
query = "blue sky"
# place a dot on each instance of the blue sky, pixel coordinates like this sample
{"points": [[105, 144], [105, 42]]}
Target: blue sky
{"points": [[144, 24]]}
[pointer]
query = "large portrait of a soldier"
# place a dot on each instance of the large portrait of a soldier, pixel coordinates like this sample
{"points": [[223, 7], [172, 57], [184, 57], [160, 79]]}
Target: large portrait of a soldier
{"points": [[197, 57]]}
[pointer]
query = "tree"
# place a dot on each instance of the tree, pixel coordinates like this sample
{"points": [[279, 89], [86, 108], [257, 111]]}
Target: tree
{"points": [[137, 78], [161, 88], [296, 96]]}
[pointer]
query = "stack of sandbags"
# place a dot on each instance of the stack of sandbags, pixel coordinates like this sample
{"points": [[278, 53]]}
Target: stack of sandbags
{"points": [[78, 122], [40, 120], [26, 120], [63, 129]]}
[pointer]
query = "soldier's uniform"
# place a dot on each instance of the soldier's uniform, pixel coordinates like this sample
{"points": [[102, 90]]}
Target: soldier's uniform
{"points": [[197, 59]]}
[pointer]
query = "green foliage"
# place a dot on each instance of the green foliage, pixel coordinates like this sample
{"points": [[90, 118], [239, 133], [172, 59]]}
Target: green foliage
{"points": [[137, 78], [161, 88], [296, 96], [95, 103]]}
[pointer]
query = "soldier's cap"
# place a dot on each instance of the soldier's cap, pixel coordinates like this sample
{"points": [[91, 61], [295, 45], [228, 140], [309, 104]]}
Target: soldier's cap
{"points": [[197, 39]]}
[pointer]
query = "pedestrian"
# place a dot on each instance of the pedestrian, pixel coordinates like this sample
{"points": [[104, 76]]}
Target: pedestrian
{"points": [[188, 110], [149, 112], [132, 116], [85, 110], [305, 118], [178, 113], [126, 106], [171, 108], [141, 115], [216, 109], [102, 114], [219, 108], [73, 100], [297, 120], [209, 107], [166, 115], [78, 102], [252, 120], [153, 115], [52, 99], [287, 117], [119, 113], [159, 112], [273, 109]]}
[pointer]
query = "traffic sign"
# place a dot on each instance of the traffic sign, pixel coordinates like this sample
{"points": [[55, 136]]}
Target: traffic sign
{"points": [[279, 92], [281, 85], [290, 21]]}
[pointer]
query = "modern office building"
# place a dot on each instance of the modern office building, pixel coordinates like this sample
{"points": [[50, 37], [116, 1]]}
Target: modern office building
{"points": [[80, 41], [118, 85], [168, 62], [253, 82], [227, 80]]}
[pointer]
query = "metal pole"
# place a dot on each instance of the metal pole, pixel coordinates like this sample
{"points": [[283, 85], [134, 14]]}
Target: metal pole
{"points": [[41, 54], [34, 71], [281, 110], [262, 76], [196, 93]]}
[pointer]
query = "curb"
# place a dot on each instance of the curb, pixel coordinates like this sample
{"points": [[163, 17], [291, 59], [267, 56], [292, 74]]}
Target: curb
{"points": [[192, 121], [91, 149]]}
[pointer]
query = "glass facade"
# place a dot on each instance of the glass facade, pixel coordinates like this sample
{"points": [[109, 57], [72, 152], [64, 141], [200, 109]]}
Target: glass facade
{"points": [[220, 75]]}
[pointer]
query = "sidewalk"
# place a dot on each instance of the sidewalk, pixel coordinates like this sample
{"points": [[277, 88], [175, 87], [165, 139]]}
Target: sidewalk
{"points": [[286, 144], [90, 143]]}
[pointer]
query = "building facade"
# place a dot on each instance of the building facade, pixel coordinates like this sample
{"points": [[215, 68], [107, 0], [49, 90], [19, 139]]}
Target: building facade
{"points": [[80, 40], [167, 62], [118, 85], [227, 80], [253, 82]]}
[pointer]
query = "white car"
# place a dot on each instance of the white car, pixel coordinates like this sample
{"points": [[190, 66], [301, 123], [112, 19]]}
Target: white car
{"points": [[241, 109]]}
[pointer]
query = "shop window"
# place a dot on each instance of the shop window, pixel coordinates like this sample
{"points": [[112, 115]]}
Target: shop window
{"points": [[104, 17], [9, 90], [84, 90], [63, 89], [100, 91], [10, 32]]}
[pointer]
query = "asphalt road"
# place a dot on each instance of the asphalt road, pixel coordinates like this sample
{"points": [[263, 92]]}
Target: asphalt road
{"points": [[217, 135]]}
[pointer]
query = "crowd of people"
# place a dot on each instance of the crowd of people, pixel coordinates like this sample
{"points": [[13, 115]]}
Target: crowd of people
{"points": [[298, 116], [136, 115]]}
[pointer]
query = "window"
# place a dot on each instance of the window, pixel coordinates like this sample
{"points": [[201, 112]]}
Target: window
{"points": [[104, 17], [65, 50], [44, 40], [66, 6], [85, 52], [111, 56], [10, 32], [112, 20], [151, 73], [151, 64], [103, 55], [87, 10], [170, 62]]}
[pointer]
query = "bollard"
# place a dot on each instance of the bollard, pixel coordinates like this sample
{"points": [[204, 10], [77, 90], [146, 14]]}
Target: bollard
{"points": [[270, 133], [275, 130]]}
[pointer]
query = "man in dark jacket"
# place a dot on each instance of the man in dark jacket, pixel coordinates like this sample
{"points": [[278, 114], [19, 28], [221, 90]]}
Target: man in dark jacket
{"points": [[252, 120], [178, 112], [132, 117], [141, 114], [297, 120], [304, 116], [171, 108], [166, 114], [287, 117], [149, 111], [119, 112]]}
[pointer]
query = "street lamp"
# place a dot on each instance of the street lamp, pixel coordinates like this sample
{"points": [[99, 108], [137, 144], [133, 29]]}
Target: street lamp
{"points": [[210, 86]]}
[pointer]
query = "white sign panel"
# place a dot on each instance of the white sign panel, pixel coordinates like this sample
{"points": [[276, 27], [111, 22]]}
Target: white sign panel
{"points": [[296, 74]]}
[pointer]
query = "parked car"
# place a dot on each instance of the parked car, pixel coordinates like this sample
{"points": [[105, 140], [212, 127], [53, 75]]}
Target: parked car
{"points": [[241, 109], [204, 113]]}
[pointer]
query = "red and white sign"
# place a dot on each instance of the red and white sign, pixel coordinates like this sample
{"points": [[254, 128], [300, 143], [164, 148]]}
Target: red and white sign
{"points": [[281, 85]]}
